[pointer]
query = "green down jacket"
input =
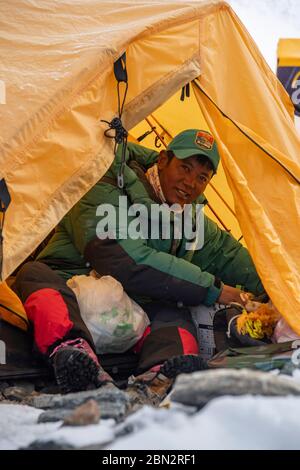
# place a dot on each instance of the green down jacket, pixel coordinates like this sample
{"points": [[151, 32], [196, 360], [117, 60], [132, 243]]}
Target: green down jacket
{"points": [[159, 269]]}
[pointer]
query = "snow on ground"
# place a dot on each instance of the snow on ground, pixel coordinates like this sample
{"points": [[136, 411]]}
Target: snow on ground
{"points": [[230, 423], [19, 428], [225, 423]]}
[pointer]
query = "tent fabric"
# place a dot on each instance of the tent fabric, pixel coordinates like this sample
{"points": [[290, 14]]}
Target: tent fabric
{"points": [[288, 52], [288, 70], [261, 186], [57, 65], [11, 308], [60, 84]]}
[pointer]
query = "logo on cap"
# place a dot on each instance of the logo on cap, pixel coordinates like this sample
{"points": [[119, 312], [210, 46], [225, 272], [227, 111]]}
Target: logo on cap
{"points": [[204, 140]]}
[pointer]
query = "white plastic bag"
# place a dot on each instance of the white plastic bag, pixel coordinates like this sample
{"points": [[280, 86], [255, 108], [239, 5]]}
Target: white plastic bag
{"points": [[114, 320], [283, 332]]}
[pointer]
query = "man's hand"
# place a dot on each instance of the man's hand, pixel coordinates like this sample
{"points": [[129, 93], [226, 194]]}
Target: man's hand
{"points": [[232, 294]]}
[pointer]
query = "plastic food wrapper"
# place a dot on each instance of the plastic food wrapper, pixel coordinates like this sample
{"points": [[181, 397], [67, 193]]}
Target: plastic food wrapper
{"points": [[283, 332], [114, 320]]}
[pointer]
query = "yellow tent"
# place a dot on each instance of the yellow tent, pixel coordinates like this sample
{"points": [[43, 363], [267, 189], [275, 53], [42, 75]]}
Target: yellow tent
{"points": [[57, 68], [289, 52], [288, 69]]}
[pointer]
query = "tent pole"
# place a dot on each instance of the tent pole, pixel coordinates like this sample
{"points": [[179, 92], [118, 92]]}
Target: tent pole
{"points": [[155, 131], [222, 199], [217, 217], [162, 127]]}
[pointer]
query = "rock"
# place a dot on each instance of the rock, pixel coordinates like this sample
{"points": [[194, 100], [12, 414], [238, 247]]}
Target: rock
{"points": [[85, 414], [55, 445], [289, 368], [24, 384], [3, 386], [48, 445], [199, 388], [43, 384], [16, 393], [33, 394], [51, 416], [50, 389], [114, 403]]}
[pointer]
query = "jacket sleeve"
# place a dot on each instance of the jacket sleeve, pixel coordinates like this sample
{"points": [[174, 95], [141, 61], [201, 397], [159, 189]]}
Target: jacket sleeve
{"points": [[226, 258]]}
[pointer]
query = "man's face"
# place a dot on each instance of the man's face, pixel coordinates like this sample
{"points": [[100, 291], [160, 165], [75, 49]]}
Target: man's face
{"points": [[182, 181]]}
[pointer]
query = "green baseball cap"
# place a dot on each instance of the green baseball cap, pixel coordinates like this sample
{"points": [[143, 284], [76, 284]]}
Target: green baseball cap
{"points": [[195, 142]]}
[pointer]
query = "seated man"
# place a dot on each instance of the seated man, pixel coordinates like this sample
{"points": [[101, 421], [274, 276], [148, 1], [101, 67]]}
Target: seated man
{"points": [[164, 274]]}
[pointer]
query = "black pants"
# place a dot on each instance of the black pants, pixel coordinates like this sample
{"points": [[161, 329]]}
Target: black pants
{"points": [[53, 311]]}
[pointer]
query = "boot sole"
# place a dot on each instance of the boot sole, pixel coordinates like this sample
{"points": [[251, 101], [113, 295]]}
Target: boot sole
{"points": [[182, 365], [74, 370]]}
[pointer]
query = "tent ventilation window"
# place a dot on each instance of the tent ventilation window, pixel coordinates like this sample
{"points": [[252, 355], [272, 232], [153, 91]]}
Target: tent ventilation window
{"points": [[121, 134]]}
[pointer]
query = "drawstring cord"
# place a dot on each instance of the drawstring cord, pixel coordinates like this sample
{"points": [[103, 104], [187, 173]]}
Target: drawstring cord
{"points": [[121, 135]]}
